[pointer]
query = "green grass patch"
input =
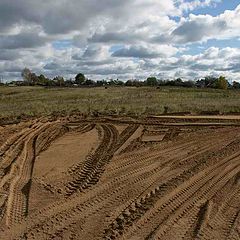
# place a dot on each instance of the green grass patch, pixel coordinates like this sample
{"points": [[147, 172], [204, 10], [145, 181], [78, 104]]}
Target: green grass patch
{"points": [[36, 101]]}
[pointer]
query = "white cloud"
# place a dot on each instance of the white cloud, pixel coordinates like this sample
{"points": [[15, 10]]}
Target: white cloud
{"points": [[128, 38], [197, 28], [189, 6]]}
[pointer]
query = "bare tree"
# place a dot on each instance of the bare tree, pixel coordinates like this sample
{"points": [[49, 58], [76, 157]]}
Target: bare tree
{"points": [[26, 75]]}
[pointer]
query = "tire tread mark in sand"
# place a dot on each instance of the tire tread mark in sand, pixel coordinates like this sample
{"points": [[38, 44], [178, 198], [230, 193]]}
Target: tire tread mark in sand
{"points": [[66, 217], [171, 134], [202, 153], [10, 153], [3, 203], [95, 164], [100, 198], [141, 205], [45, 138], [10, 157], [17, 201], [185, 225], [84, 128], [125, 135], [13, 147], [10, 141], [224, 222], [127, 175], [80, 208], [88, 208], [235, 231], [63, 217], [187, 197], [17, 206], [146, 202], [171, 211]]}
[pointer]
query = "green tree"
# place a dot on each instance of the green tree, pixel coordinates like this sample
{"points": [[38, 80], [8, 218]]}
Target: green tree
{"points": [[151, 81], [80, 78], [89, 82], [59, 81], [236, 85], [221, 83], [42, 80]]}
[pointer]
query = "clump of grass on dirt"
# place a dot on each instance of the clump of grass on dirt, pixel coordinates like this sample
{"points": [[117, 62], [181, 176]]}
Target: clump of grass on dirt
{"points": [[36, 101]]}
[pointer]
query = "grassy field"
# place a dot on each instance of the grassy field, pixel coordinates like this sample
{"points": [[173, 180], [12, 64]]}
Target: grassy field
{"points": [[36, 101]]}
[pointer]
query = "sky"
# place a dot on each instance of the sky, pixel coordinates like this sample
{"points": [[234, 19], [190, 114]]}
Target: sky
{"points": [[127, 39]]}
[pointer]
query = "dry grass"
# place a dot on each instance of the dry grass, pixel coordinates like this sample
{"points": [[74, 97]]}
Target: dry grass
{"points": [[35, 101]]}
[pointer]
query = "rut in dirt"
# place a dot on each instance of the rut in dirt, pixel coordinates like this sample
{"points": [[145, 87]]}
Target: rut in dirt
{"points": [[146, 179]]}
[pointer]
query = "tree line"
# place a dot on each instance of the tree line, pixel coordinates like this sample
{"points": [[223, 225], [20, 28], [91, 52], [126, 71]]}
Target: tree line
{"points": [[32, 79]]}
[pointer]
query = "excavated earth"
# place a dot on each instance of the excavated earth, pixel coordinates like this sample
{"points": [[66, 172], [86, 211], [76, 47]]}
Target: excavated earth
{"points": [[121, 178]]}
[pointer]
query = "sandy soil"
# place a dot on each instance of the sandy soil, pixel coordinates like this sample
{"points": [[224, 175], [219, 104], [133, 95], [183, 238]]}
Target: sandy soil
{"points": [[105, 179], [55, 160]]}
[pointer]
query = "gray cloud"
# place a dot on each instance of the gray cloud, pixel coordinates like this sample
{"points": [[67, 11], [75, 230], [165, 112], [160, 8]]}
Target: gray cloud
{"points": [[136, 52], [115, 37], [194, 31], [33, 33], [191, 31], [10, 67], [111, 70], [22, 40], [52, 66], [15, 12], [162, 39], [9, 55], [234, 67], [91, 52], [56, 17], [95, 63]]}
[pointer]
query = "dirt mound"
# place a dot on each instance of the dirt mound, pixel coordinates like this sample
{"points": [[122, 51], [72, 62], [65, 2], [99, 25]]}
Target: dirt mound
{"points": [[155, 178]]}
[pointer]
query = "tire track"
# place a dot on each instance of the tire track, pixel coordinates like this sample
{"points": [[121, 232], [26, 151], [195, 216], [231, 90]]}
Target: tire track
{"points": [[182, 189], [147, 201], [125, 135], [197, 220], [107, 195], [223, 222], [173, 200], [121, 184], [127, 181], [95, 163], [20, 168]]}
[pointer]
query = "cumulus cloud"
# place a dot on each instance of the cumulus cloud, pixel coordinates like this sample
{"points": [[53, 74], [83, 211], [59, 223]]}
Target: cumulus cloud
{"points": [[146, 51], [54, 16], [128, 38], [114, 37], [9, 55], [22, 40], [62, 16], [197, 28], [212, 59]]}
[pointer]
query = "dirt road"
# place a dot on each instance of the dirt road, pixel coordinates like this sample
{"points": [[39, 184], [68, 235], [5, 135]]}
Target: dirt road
{"points": [[111, 178]]}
